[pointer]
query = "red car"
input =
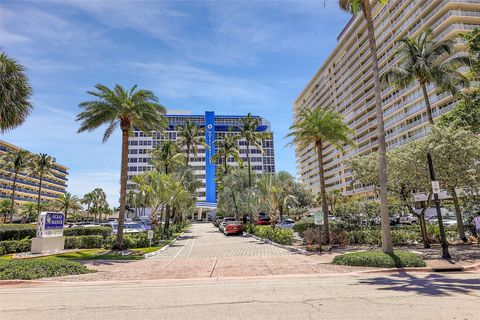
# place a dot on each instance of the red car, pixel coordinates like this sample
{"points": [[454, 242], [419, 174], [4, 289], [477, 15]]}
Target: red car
{"points": [[233, 227], [264, 221]]}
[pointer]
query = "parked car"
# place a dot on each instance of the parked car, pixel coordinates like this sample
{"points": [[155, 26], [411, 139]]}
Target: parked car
{"points": [[233, 227], [144, 223], [224, 222], [216, 221], [264, 221], [84, 225], [286, 224], [408, 219], [128, 227], [448, 220]]}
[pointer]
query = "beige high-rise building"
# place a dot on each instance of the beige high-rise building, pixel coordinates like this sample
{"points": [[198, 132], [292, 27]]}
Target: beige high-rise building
{"points": [[345, 83]]}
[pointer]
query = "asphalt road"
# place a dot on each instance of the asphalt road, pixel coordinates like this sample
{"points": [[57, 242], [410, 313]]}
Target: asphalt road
{"points": [[403, 296]]}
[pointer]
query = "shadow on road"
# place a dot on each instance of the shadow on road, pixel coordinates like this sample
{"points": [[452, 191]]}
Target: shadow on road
{"points": [[433, 284]]}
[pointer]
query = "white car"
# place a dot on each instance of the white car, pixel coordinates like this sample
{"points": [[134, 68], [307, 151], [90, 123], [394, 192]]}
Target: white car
{"points": [[408, 219], [447, 220]]}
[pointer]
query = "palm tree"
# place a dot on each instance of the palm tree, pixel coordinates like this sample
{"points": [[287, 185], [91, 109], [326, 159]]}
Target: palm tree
{"points": [[5, 208], [363, 6], [99, 199], [14, 94], [28, 211], [333, 196], [127, 109], [428, 62], [87, 200], [318, 127], [248, 131], [42, 167], [190, 136], [227, 149], [167, 156], [271, 195], [67, 202], [15, 162]]}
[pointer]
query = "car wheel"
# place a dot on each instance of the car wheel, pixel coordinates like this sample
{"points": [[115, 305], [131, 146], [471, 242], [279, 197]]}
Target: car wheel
{"points": [[414, 222]]}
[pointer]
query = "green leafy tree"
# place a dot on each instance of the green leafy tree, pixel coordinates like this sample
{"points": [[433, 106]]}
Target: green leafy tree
{"points": [[427, 62], [364, 7], [127, 109], [248, 131], [5, 208], [318, 127], [42, 166], [15, 92], [67, 203], [465, 114], [473, 44], [190, 136], [15, 162]]}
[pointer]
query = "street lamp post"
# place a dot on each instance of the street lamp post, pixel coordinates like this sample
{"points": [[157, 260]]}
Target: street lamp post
{"points": [[436, 191]]}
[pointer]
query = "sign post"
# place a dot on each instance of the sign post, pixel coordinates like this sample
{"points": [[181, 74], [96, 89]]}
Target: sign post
{"points": [[150, 237], [49, 233]]}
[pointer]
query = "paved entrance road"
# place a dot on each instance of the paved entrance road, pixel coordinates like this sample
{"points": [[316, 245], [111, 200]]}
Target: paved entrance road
{"points": [[400, 297], [204, 252]]}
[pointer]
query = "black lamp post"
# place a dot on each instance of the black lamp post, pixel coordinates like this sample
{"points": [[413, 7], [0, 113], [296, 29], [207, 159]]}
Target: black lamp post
{"points": [[443, 238]]}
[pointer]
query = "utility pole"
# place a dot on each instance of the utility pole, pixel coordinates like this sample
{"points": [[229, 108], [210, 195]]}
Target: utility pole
{"points": [[436, 191]]}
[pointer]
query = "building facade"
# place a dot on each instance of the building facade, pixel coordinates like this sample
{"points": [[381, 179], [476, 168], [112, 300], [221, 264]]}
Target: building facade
{"points": [[216, 128], [345, 83], [27, 184]]}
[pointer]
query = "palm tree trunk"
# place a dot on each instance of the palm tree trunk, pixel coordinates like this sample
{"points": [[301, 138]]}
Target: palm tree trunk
{"points": [[387, 245], [188, 155], [225, 164], [248, 164], [458, 213], [65, 215], [323, 193], [39, 192], [12, 205], [427, 103], [123, 188], [235, 204]]}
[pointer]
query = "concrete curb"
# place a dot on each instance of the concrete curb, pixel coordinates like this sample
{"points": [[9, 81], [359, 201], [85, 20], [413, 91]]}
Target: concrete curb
{"points": [[154, 253], [289, 248]]}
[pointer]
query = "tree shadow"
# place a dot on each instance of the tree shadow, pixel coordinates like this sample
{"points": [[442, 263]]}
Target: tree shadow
{"points": [[432, 285]]}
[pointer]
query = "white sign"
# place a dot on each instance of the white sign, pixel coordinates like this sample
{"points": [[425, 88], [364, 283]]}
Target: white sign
{"points": [[150, 234], [50, 224], [435, 187], [318, 218]]}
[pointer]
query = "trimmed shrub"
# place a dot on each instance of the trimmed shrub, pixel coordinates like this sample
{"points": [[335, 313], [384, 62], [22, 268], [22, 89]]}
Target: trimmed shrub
{"points": [[278, 235], [304, 224], [130, 241], [17, 231], [90, 231], [15, 246], [379, 259], [28, 269], [83, 242]]}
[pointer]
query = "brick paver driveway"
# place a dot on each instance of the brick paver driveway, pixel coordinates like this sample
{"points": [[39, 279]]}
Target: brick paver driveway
{"points": [[205, 241], [204, 252]]}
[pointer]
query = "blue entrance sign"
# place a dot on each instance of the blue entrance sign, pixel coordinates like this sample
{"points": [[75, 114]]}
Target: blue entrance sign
{"points": [[53, 220]]}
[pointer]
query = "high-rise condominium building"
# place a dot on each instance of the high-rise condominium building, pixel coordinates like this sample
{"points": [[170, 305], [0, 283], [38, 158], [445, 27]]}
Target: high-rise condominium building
{"points": [[345, 83], [216, 128], [27, 184]]}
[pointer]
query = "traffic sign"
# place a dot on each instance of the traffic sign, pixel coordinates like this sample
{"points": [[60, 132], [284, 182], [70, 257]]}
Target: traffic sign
{"points": [[435, 187]]}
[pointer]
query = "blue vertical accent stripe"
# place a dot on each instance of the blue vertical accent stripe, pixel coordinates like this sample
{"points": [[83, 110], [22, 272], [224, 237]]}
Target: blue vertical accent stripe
{"points": [[209, 153]]}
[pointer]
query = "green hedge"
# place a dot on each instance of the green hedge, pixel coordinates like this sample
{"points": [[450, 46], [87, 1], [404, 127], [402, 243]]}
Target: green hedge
{"points": [[15, 246], [83, 242], [130, 241], [22, 231], [17, 231], [278, 235], [379, 259], [28, 269], [303, 224], [90, 231]]}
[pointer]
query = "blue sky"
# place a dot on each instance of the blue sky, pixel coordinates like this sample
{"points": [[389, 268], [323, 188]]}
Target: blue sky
{"points": [[232, 57]]}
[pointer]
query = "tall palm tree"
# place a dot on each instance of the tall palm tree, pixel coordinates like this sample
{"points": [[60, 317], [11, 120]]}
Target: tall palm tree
{"points": [[317, 127], [99, 199], [190, 136], [14, 94], [67, 202], [28, 211], [228, 149], [15, 162], [248, 130], [87, 200], [427, 62], [167, 156], [127, 109], [271, 195], [42, 167], [364, 7]]}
